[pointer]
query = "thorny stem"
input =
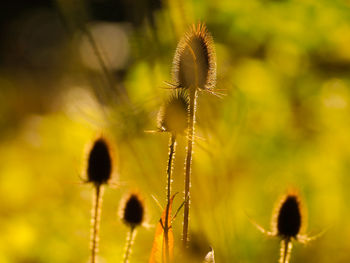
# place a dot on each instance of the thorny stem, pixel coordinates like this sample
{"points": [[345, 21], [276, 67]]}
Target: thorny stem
{"points": [[286, 250], [172, 149], [95, 221], [188, 162], [129, 242]]}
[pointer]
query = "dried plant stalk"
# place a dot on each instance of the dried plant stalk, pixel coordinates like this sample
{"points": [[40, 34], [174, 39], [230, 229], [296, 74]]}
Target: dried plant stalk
{"points": [[172, 149], [188, 164], [172, 118], [99, 172], [129, 242], [95, 221], [286, 250], [132, 214], [194, 69]]}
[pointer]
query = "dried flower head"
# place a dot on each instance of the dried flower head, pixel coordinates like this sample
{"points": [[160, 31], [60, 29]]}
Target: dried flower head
{"points": [[132, 212], [289, 218], [194, 64], [288, 223], [172, 116], [99, 168]]}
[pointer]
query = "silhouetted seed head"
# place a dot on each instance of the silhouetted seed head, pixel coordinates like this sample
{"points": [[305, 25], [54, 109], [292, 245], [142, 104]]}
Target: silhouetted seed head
{"points": [[99, 163], [173, 115], [289, 218], [133, 211], [194, 64]]}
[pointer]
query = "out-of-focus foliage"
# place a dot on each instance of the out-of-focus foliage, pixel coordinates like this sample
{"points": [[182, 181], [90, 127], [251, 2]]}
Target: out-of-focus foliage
{"points": [[285, 67]]}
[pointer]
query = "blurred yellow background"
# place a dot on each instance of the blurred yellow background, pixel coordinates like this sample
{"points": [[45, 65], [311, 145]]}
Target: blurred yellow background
{"points": [[284, 66]]}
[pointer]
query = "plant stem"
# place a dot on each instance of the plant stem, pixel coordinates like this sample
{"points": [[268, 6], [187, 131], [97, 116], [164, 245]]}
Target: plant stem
{"points": [[286, 250], [129, 242], [188, 163], [95, 222], [172, 149]]}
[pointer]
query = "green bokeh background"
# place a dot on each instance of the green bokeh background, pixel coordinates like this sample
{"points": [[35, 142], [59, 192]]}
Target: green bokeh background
{"points": [[284, 122]]}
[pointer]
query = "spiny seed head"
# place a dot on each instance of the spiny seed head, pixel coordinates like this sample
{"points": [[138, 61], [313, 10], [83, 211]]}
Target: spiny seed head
{"points": [[99, 168], [194, 64], [172, 116], [132, 212], [288, 220]]}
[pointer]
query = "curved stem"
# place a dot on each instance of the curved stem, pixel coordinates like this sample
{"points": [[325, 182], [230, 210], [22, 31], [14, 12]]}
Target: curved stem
{"points": [[95, 222], [172, 149], [129, 242], [188, 162]]}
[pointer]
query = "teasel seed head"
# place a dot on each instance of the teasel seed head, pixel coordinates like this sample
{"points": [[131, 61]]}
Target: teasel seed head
{"points": [[132, 211], [99, 166], [288, 219], [194, 64], [288, 222], [173, 114]]}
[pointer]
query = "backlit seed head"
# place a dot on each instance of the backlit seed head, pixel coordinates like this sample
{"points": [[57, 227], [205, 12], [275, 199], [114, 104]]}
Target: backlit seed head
{"points": [[132, 212], [172, 116], [288, 219], [99, 168], [194, 64]]}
